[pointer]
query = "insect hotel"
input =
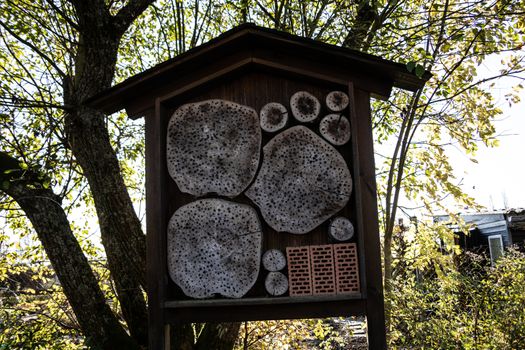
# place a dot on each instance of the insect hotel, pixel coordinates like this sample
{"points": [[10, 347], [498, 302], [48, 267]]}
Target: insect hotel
{"points": [[261, 193]]}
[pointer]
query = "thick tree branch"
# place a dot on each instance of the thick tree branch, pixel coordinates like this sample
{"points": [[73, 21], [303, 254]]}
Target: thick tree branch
{"points": [[129, 13], [365, 17]]}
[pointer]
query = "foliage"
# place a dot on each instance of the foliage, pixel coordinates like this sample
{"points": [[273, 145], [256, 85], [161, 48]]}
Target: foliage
{"points": [[324, 334], [34, 313], [457, 301]]}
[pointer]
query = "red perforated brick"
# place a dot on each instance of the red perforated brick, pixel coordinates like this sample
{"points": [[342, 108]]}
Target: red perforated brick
{"points": [[323, 277], [346, 268], [299, 279]]}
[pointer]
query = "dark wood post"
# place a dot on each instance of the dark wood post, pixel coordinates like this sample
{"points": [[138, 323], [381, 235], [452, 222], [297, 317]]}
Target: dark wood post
{"points": [[156, 226], [366, 182]]}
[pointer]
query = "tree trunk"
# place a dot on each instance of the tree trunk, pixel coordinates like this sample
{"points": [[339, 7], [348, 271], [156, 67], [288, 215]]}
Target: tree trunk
{"points": [[366, 14], [43, 208], [99, 34], [119, 226], [88, 138]]}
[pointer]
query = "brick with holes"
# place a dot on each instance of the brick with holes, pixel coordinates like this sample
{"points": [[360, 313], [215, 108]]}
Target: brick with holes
{"points": [[299, 280], [323, 274], [346, 268]]}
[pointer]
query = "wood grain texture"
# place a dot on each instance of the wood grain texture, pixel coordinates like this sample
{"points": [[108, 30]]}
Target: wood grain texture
{"points": [[370, 226]]}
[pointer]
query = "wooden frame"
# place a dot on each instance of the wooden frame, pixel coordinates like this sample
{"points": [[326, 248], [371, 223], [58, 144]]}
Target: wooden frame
{"points": [[164, 311], [242, 51]]}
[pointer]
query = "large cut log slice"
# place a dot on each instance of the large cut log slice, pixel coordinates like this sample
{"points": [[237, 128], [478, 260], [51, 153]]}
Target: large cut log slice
{"points": [[213, 146], [214, 247], [303, 181]]}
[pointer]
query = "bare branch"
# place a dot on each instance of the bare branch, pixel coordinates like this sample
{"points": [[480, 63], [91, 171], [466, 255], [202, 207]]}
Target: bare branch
{"points": [[34, 48]]}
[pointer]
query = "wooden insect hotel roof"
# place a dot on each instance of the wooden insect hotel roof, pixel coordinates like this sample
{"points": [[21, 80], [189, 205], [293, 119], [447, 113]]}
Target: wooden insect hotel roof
{"points": [[250, 45]]}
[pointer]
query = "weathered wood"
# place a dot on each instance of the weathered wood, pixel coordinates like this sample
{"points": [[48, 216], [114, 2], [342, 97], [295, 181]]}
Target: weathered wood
{"points": [[155, 226], [175, 304], [305, 107], [374, 288], [273, 117], [274, 260], [213, 146], [255, 89], [341, 229], [335, 128], [253, 68], [337, 101], [358, 219], [214, 247], [268, 310], [302, 182], [276, 283], [370, 72]]}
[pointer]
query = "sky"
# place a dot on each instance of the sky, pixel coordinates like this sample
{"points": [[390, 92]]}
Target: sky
{"points": [[497, 181]]}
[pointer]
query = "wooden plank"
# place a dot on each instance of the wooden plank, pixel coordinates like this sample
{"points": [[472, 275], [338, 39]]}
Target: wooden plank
{"points": [[155, 226], [259, 301], [220, 73], [189, 77], [366, 181], [300, 310], [325, 69], [282, 67], [360, 221], [256, 89]]}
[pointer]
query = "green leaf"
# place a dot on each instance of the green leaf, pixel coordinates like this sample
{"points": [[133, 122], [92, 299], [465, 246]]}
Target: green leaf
{"points": [[410, 66], [420, 70], [45, 184], [23, 166]]}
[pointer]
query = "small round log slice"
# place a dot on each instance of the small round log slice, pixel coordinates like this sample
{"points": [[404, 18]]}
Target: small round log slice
{"points": [[214, 247], [276, 283], [274, 260], [213, 146], [341, 229], [335, 128], [273, 117], [302, 182], [305, 106], [337, 101]]}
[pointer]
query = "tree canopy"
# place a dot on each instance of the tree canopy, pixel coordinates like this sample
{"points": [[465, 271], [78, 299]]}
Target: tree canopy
{"points": [[77, 175]]}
